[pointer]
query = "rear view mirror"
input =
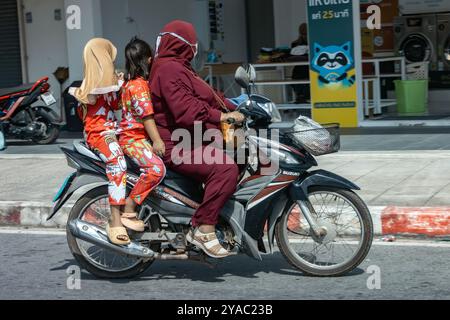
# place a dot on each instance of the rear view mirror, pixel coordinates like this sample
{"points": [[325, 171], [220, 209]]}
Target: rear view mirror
{"points": [[252, 73], [242, 78]]}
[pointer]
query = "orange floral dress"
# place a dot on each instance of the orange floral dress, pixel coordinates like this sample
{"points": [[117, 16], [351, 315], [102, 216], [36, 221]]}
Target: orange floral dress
{"points": [[136, 106], [100, 134]]}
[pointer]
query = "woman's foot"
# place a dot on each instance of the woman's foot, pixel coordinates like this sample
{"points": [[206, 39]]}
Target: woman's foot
{"points": [[208, 242]]}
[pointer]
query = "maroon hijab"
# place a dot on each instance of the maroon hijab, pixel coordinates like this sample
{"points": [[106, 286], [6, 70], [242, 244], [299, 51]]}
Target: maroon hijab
{"points": [[171, 48]]}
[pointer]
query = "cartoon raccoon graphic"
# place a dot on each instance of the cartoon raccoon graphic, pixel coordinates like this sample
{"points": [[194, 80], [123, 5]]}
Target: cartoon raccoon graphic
{"points": [[332, 64]]}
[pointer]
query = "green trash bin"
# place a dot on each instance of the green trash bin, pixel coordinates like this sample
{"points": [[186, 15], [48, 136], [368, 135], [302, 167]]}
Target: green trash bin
{"points": [[412, 96]]}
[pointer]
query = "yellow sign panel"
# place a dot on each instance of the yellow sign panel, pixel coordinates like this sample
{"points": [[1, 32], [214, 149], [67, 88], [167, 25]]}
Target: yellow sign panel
{"points": [[334, 103]]}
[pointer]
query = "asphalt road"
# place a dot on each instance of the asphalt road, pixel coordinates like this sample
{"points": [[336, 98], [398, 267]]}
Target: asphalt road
{"points": [[34, 267]]}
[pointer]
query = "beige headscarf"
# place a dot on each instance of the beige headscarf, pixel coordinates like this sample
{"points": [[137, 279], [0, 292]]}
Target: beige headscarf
{"points": [[99, 73]]}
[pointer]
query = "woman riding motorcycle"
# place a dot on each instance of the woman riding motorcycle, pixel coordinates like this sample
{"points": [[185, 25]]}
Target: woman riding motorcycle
{"points": [[180, 98]]}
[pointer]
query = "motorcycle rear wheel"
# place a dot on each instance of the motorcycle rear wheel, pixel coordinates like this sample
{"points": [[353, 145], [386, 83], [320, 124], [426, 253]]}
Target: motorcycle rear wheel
{"points": [[80, 254], [294, 235], [52, 132]]}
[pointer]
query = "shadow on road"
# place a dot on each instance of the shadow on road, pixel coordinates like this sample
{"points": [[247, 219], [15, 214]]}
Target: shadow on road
{"points": [[238, 266]]}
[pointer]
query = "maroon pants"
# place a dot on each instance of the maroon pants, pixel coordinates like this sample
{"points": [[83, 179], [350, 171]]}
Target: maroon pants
{"points": [[220, 181]]}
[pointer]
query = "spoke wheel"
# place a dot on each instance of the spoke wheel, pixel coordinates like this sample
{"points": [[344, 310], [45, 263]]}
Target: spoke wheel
{"points": [[346, 239], [93, 207]]}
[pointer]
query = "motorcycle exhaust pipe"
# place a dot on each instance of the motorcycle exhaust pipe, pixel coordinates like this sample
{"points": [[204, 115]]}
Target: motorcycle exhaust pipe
{"points": [[95, 235]]}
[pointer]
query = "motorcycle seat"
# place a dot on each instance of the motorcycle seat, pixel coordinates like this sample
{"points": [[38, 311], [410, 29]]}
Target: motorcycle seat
{"points": [[82, 148], [4, 92], [178, 182]]}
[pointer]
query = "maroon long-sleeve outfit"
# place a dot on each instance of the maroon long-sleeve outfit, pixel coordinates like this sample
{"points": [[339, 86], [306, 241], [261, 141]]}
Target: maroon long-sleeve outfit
{"points": [[181, 98]]}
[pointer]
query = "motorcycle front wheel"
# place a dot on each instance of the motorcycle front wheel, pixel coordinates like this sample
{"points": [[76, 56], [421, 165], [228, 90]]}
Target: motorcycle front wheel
{"points": [[349, 233]]}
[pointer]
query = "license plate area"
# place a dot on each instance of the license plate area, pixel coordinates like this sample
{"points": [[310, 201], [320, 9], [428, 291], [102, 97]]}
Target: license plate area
{"points": [[48, 98]]}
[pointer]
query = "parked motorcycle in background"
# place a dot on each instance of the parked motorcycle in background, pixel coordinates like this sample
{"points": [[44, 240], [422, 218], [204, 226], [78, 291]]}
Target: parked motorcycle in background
{"points": [[21, 119]]}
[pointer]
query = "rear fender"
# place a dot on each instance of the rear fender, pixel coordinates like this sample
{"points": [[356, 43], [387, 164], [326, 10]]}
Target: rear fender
{"points": [[48, 112], [87, 182]]}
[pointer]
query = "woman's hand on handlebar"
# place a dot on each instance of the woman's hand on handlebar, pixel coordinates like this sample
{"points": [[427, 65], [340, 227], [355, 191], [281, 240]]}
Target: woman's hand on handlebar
{"points": [[235, 115]]}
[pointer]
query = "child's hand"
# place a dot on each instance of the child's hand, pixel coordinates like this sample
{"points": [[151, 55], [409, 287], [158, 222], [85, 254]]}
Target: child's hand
{"points": [[159, 148]]}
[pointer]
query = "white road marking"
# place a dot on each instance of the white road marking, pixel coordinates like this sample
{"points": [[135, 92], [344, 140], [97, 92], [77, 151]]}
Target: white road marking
{"points": [[43, 156], [47, 232], [397, 243]]}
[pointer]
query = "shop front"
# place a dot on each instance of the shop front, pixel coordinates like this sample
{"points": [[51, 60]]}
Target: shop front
{"points": [[371, 63], [417, 33], [320, 58]]}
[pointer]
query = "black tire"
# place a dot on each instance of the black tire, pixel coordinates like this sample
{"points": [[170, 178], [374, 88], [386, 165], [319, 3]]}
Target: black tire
{"points": [[76, 252], [348, 266], [52, 133]]}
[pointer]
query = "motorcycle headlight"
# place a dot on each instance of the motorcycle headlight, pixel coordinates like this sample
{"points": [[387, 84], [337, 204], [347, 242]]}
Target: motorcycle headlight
{"points": [[272, 110]]}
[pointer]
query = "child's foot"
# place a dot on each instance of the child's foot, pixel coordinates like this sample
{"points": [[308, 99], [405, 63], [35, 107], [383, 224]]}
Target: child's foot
{"points": [[130, 220], [117, 235]]}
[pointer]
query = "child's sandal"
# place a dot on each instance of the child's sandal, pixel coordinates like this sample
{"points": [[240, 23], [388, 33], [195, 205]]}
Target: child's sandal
{"points": [[118, 235], [130, 221]]}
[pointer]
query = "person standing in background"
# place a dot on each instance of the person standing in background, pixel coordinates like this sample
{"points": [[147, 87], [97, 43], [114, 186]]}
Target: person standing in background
{"points": [[302, 91]]}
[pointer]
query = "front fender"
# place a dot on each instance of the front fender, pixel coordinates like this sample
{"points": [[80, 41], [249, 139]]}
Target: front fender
{"points": [[299, 189]]}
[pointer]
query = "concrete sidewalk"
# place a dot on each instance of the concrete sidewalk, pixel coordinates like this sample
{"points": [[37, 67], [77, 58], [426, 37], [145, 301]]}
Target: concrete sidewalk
{"points": [[392, 184], [400, 178]]}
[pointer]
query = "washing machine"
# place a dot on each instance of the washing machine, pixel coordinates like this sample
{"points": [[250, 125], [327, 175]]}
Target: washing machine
{"points": [[443, 34], [416, 38]]}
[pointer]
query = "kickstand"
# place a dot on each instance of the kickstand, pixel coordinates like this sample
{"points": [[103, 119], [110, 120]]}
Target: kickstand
{"points": [[201, 258]]}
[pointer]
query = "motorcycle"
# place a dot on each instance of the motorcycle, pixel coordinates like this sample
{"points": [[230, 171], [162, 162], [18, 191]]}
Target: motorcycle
{"points": [[321, 226], [23, 120]]}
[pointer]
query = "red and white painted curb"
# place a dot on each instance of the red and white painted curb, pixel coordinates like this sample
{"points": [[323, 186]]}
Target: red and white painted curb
{"points": [[429, 221], [31, 214], [390, 220], [407, 221]]}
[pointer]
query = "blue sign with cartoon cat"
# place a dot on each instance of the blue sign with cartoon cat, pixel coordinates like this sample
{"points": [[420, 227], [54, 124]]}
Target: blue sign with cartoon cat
{"points": [[333, 63]]}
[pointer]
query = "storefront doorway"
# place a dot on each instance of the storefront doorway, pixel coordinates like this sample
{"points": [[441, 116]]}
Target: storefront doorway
{"points": [[10, 54]]}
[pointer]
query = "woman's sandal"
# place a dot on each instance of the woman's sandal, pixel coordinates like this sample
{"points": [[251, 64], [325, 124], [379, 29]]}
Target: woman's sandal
{"points": [[118, 235], [208, 242], [130, 221]]}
